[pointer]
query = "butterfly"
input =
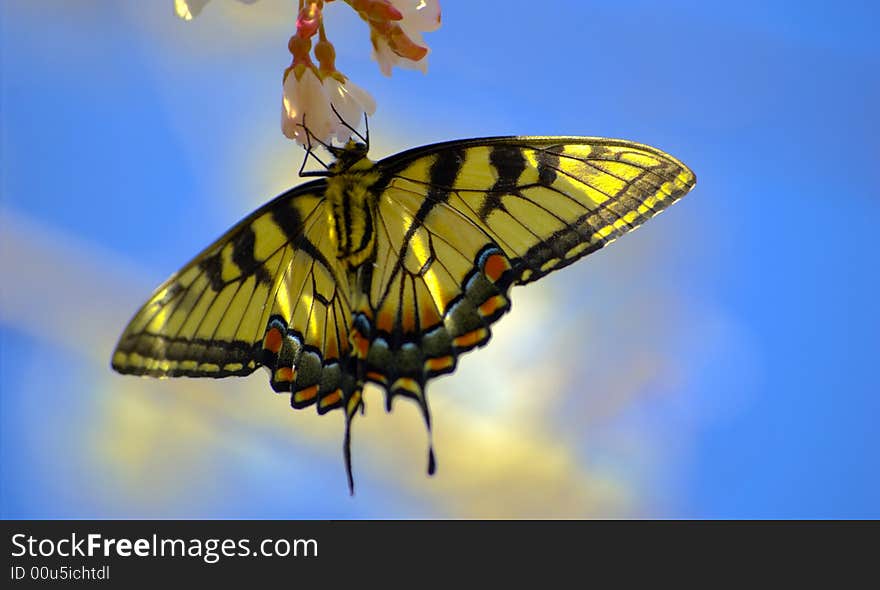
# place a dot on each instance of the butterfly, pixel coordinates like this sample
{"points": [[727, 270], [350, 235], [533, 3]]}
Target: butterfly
{"points": [[386, 272]]}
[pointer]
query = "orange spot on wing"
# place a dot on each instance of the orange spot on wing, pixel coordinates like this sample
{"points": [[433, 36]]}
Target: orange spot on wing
{"points": [[361, 344], [491, 305], [409, 320], [495, 266], [331, 348], [286, 374], [384, 321], [428, 315], [470, 339], [440, 363], [331, 398], [272, 341], [377, 377], [307, 394]]}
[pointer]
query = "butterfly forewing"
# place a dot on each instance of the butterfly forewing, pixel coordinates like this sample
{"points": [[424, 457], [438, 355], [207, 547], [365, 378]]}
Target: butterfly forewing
{"points": [[547, 201], [209, 319]]}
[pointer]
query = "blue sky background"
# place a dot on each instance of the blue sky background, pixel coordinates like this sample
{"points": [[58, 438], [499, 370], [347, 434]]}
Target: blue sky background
{"points": [[718, 363]]}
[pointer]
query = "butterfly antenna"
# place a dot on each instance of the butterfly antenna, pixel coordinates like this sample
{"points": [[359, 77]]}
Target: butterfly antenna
{"points": [[367, 127], [310, 136], [349, 127], [311, 152]]}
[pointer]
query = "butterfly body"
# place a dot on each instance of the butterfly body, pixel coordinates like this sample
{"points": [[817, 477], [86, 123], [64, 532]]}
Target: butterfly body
{"points": [[352, 209], [386, 272]]}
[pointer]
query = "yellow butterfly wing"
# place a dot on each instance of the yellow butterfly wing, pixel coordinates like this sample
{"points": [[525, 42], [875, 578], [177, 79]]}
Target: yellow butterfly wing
{"points": [[461, 222], [228, 311]]}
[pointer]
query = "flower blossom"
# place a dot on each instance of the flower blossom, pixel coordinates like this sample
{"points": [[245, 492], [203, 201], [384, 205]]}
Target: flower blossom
{"points": [[320, 98], [318, 102], [308, 101], [189, 9], [304, 102], [397, 41]]}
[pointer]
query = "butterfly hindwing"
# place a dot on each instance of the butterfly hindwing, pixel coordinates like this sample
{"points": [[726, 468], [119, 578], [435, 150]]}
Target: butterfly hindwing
{"points": [[438, 283], [306, 343]]}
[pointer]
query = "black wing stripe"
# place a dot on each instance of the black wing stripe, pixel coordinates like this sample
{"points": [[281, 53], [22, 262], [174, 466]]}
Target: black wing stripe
{"points": [[509, 163], [442, 175], [212, 266], [548, 163], [243, 256], [291, 223]]}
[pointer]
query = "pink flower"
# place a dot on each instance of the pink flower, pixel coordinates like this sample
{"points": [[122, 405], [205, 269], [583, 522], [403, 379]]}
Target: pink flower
{"points": [[306, 99], [399, 42], [318, 101], [418, 16]]}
